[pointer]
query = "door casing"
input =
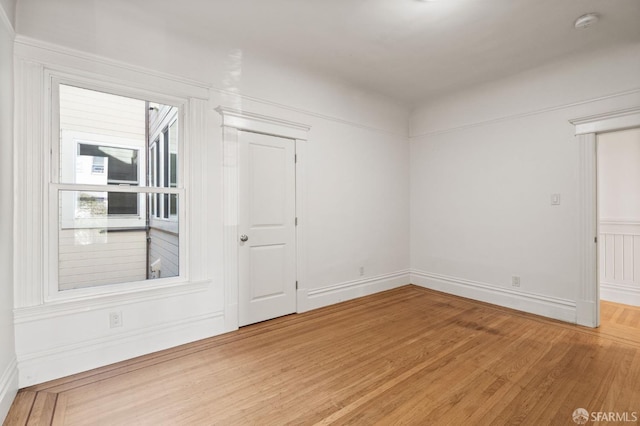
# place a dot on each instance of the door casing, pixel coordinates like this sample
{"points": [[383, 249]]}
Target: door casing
{"points": [[233, 121], [586, 129]]}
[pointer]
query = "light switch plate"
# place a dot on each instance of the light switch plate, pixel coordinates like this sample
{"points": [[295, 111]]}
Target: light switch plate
{"points": [[555, 199]]}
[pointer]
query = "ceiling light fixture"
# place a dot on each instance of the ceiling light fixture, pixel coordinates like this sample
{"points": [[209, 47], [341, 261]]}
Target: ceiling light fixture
{"points": [[586, 20]]}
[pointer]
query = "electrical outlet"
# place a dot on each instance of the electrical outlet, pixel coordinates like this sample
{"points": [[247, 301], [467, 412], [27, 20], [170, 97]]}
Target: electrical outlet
{"points": [[515, 281], [361, 270], [115, 319]]}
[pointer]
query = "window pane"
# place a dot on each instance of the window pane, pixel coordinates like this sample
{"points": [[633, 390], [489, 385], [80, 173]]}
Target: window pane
{"points": [[173, 152], [122, 203], [173, 205], [101, 125], [122, 163], [98, 249]]}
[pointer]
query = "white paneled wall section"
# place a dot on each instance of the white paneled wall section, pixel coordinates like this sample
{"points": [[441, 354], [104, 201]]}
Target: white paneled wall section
{"points": [[619, 249], [8, 362]]}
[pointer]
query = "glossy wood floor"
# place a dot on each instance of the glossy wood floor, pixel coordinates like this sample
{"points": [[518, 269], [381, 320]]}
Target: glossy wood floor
{"points": [[405, 356]]}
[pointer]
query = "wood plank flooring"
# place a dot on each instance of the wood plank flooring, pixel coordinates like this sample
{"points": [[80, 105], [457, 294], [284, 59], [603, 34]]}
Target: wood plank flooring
{"points": [[405, 356]]}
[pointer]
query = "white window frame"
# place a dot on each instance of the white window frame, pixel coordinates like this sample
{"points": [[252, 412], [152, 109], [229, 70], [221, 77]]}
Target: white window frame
{"points": [[157, 212], [53, 80]]}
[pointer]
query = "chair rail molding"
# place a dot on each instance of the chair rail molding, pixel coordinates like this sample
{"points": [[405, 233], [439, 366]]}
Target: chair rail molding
{"points": [[586, 130]]}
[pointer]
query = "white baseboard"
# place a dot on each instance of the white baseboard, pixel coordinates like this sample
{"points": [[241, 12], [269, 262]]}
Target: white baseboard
{"points": [[8, 388], [620, 293], [309, 299], [66, 360], [551, 307], [586, 313]]}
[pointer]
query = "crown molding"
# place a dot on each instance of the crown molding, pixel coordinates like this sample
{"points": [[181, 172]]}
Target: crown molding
{"points": [[529, 114], [34, 49]]}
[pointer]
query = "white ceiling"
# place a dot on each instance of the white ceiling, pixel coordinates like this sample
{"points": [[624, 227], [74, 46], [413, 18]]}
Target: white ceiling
{"points": [[409, 50]]}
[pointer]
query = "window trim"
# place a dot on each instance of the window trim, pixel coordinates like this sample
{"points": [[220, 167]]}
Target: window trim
{"points": [[53, 80]]}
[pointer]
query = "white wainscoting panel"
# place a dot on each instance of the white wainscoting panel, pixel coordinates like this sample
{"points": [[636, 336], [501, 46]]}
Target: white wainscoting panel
{"points": [[71, 358], [619, 257]]}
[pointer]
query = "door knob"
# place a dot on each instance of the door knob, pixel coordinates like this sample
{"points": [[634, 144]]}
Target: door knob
{"points": [[243, 238]]}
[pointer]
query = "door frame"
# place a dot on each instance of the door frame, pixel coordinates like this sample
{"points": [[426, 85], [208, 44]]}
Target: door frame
{"points": [[586, 131], [234, 121]]}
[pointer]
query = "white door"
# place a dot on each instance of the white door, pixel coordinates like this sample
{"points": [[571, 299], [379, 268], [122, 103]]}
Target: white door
{"points": [[267, 233]]}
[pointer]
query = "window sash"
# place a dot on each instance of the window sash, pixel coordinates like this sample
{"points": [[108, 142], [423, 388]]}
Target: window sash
{"points": [[140, 187], [116, 188]]}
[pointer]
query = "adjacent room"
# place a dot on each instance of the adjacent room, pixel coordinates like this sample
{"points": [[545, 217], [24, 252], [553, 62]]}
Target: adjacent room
{"points": [[350, 212]]}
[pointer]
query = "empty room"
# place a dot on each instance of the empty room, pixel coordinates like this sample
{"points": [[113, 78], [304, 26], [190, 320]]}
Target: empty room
{"points": [[319, 212]]}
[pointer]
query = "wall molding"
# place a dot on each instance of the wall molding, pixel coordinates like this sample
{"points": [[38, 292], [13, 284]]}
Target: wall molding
{"points": [[551, 307], [101, 302], [8, 387], [308, 112], [65, 360], [27, 47], [619, 293], [36, 44], [615, 120], [619, 221], [309, 299], [258, 123], [30, 166], [509, 117]]}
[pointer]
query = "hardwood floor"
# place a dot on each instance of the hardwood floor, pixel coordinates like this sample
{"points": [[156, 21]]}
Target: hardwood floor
{"points": [[405, 356]]}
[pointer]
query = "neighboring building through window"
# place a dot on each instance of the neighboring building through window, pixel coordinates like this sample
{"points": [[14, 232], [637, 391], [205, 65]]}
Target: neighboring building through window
{"points": [[119, 189]]}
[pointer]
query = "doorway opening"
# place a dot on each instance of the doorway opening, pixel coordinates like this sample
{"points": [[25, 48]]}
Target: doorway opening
{"points": [[618, 200], [586, 131]]}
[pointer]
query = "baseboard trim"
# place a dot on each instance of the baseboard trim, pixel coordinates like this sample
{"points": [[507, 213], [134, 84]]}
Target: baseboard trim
{"points": [[8, 388], [551, 307], [620, 293], [66, 360], [309, 299]]}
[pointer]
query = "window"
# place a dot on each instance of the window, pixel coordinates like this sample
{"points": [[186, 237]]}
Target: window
{"points": [[117, 184]]}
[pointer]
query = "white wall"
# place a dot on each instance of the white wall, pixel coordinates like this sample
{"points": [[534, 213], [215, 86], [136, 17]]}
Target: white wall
{"points": [[619, 176], [9, 9], [356, 200], [8, 368], [484, 163]]}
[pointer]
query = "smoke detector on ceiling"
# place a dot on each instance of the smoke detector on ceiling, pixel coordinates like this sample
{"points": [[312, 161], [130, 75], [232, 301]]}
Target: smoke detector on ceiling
{"points": [[586, 20]]}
